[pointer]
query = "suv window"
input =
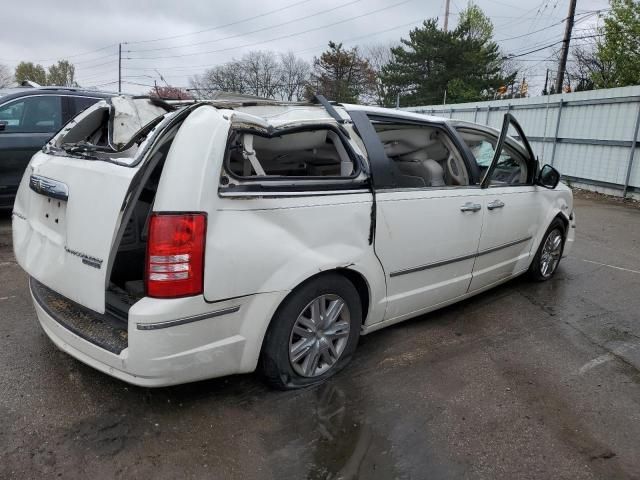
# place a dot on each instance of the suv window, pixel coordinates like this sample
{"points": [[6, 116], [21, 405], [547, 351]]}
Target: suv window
{"points": [[37, 114], [511, 168], [422, 155]]}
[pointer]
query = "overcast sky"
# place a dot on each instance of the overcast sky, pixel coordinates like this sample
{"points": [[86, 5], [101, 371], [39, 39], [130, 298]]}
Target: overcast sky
{"points": [[180, 38]]}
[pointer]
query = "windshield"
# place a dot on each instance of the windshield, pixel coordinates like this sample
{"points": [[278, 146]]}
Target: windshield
{"points": [[483, 152]]}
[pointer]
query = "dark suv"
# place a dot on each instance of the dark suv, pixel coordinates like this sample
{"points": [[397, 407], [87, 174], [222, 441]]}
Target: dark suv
{"points": [[28, 119]]}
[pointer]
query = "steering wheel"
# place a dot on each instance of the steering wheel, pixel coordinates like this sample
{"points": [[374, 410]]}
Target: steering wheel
{"points": [[458, 174]]}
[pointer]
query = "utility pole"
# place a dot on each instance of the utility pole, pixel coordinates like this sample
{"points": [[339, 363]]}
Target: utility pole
{"points": [[546, 82], [446, 15], [565, 46], [119, 68]]}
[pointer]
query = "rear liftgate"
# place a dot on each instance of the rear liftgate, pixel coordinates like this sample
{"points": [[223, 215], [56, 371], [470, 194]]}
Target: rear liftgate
{"points": [[74, 194]]}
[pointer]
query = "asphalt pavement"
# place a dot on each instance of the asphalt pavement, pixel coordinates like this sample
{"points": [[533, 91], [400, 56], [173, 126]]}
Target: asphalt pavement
{"points": [[529, 380]]}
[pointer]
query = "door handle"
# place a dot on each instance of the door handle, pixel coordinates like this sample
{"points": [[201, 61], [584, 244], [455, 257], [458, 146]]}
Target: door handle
{"points": [[495, 204], [470, 207]]}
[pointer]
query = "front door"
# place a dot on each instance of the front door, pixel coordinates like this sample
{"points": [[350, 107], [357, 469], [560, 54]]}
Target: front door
{"points": [[429, 212], [512, 214]]}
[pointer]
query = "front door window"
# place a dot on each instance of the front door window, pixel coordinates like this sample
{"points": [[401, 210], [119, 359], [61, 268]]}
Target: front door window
{"points": [[511, 167]]}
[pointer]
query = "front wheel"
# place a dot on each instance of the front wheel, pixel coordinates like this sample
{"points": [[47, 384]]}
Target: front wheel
{"points": [[548, 256], [313, 334]]}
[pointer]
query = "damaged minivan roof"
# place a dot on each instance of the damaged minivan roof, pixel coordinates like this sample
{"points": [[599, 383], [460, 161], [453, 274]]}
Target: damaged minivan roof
{"points": [[130, 115], [117, 123]]}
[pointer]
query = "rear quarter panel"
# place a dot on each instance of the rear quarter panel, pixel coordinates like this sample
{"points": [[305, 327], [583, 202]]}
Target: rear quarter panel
{"points": [[258, 244]]}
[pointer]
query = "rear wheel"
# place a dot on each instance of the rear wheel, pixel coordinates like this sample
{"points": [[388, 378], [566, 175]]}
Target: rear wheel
{"points": [[549, 253], [313, 334]]}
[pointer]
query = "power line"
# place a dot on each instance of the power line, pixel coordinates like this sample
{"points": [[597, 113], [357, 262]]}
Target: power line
{"points": [[508, 5], [251, 32], [65, 56], [530, 33], [347, 40], [551, 45], [112, 58], [276, 38], [222, 26], [101, 64], [353, 39], [588, 14], [522, 18]]}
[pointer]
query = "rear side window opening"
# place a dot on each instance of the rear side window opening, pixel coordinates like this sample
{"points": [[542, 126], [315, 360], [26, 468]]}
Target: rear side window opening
{"points": [[300, 153]]}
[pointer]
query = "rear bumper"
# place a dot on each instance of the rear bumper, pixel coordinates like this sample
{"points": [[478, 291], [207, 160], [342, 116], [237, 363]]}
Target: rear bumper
{"points": [[208, 347]]}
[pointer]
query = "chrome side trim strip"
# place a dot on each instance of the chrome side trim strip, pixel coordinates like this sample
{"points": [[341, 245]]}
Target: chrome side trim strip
{"points": [[431, 265], [306, 193], [457, 259], [504, 245], [182, 321]]}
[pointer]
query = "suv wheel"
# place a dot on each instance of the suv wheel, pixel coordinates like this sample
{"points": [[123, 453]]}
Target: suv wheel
{"points": [[549, 252], [313, 334]]}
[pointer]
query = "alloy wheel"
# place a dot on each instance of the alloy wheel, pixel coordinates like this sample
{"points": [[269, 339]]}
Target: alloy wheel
{"points": [[551, 251], [319, 335]]}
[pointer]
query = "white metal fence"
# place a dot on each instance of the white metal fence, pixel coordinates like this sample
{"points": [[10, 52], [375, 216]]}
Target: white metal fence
{"points": [[591, 137]]}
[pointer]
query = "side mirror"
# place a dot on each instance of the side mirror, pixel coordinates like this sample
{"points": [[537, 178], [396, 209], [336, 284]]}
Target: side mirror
{"points": [[3, 125], [548, 177]]}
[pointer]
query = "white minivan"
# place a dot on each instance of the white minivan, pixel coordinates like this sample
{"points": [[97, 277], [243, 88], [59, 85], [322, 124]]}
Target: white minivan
{"points": [[172, 243]]}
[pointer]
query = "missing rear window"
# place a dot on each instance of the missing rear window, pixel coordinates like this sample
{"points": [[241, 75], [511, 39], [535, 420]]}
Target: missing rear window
{"points": [[317, 153]]}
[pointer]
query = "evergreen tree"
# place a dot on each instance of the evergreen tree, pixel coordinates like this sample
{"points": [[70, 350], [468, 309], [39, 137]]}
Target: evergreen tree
{"points": [[341, 75], [465, 62]]}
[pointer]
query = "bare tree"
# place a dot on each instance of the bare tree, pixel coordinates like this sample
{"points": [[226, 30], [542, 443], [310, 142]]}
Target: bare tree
{"points": [[587, 69], [261, 73], [170, 93], [6, 77], [294, 76], [513, 87], [229, 77], [379, 56]]}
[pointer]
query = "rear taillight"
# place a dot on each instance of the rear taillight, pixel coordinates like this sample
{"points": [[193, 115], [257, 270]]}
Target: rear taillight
{"points": [[175, 255]]}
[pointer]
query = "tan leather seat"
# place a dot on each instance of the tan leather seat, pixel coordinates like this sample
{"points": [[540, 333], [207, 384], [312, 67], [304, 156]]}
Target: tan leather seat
{"points": [[419, 165]]}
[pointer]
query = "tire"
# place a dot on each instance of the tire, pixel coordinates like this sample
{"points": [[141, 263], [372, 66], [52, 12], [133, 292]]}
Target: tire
{"points": [[301, 357], [547, 258]]}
